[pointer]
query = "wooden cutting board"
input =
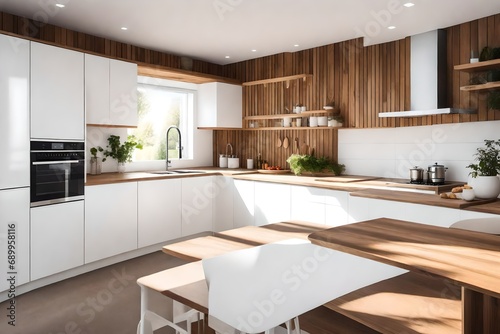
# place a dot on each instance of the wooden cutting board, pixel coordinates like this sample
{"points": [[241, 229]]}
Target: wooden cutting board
{"points": [[347, 178]]}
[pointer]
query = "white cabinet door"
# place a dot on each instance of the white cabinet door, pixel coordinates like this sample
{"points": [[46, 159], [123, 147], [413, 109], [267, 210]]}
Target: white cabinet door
{"points": [[365, 208], [56, 238], [110, 220], [220, 105], [14, 112], [159, 211], [197, 200], [308, 204], [243, 203], [223, 203], [336, 207], [96, 90], [272, 203], [123, 93], [14, 236], [57, 93]]}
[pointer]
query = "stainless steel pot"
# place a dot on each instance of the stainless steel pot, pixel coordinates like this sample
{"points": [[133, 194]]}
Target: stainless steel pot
{"points": [[435, 173], [416, 175]]}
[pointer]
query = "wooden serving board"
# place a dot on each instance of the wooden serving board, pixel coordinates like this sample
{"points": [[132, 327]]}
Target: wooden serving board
{"points": [[273, 171], [347, 178]]}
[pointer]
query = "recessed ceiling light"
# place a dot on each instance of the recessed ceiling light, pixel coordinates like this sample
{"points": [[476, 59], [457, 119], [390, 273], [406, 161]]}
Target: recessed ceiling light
{"points": [[253, 50], [391, 27], [409, 4], [60, 5], [296, 45], [124, 28], [227, 57]]}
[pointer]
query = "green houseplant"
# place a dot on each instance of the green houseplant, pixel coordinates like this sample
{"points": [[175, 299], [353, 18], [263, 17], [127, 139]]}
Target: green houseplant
{"points": [[483, 177], [122, 153], [300, 163], [95, 162]]}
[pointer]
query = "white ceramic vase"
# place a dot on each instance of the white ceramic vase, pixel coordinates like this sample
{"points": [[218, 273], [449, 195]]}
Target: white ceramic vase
{"points": [[485, 187]]}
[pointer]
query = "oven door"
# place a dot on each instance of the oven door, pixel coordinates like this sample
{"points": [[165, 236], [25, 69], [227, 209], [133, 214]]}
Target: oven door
{"points": [[57, 181]]}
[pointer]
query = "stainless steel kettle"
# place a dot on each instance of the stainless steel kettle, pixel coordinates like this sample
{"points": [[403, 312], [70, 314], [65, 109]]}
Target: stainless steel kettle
{"points": [[436, 173]]}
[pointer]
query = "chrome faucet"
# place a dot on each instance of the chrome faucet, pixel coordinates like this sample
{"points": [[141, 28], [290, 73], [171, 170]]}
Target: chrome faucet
{"points": [[231, 146], [166, 143]]}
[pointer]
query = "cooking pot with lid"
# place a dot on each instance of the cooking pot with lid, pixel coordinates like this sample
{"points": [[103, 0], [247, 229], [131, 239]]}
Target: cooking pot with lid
{"points": [[435, 173], [416, 175]]}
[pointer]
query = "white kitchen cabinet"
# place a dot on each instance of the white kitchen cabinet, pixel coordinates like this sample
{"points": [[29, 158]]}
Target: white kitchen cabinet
{"points": [[223, 203], [158, 211], [197, 200], [361, 208], [110, 220], [15, 234], [57, 93], [14, 112], [243, 203], [308, 204], [110, 91], [57, 233], [272, 203], [220, 105], [336, 207]]}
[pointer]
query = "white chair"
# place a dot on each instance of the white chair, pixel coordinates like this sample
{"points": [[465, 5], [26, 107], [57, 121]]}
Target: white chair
{"points": [[255, 290], [484, 225]]}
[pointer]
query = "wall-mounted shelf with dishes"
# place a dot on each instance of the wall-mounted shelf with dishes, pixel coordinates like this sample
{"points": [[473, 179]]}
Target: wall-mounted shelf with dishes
{"points": [[261, 122], [482, 66]]}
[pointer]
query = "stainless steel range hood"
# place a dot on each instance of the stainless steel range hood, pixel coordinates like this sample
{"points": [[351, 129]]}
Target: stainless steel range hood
{"points": [[428, 78]]}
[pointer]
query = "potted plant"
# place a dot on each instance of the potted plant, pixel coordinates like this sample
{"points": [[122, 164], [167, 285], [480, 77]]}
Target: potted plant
{"points": [[484, 175], [122, 153], [304, 163], [95, 162]]}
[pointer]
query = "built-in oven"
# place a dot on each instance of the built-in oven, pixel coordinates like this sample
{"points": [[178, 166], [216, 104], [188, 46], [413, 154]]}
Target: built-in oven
{"points": [[57, 172]]}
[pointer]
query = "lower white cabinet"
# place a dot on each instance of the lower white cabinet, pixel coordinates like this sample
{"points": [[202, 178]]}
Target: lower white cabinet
{"points": [[110, 220], [14, 236], [197, 199], [56, 238], [336, 207], [366, 208], [308, 204], [243, 203], [159, 211], [272, 203], [223, 203]]}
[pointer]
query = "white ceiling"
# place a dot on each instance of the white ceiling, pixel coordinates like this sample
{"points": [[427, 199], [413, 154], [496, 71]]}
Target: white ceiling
{"points": [[210, 30]]}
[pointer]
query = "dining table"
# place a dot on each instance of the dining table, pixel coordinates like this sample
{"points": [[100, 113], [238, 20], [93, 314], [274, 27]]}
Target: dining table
{"points": [[467, 259]]}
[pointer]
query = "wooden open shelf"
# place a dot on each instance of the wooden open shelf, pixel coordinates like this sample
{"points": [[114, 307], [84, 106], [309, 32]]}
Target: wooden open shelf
{"points": [[112, 126], [479, 66], [486, 86], [279, 79], [281, 116]]}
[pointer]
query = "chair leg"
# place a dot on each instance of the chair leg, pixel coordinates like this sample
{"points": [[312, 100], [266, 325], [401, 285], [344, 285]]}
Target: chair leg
{"points": [[297, 325]]}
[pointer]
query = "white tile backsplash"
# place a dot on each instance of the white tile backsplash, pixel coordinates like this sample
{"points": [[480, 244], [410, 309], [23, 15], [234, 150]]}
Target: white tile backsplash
{"points": [[391, 152]]}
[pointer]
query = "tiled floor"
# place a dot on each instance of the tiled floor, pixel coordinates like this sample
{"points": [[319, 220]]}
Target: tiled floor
{"points": [[104, 301]]}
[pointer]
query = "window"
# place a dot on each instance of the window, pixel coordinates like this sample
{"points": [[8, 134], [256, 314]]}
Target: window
{"points": [[158, 107]]}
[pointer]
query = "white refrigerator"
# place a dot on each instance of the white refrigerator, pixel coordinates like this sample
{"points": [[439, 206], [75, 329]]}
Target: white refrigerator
{"points": [[14, 162]]}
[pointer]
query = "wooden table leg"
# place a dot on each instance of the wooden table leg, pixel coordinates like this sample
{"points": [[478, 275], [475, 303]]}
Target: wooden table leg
{"points": [[480, 313]]}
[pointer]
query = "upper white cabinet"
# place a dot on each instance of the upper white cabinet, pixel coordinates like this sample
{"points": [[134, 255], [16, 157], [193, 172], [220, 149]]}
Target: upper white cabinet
{"points": [[159, 211], [14, 112], [57, 93], [110, 91], [219, 105], [110, 220]]}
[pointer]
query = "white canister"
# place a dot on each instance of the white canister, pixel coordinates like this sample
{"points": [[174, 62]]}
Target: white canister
{"points": [[299, 122], [222, 161], [322, 121], [313, 121], [287, 122], [303, 109], [249, 163]]}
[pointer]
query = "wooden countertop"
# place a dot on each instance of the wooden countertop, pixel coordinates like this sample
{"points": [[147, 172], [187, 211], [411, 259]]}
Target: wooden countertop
{"points": [[471, 259], [492, 207], [418, 198]]}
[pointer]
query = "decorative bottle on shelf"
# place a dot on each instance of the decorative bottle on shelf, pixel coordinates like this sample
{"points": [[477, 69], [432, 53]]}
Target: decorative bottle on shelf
{"points": [[259, 161]]}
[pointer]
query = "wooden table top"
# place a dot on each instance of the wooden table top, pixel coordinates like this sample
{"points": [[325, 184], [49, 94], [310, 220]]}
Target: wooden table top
{"points": [[472, 259]]}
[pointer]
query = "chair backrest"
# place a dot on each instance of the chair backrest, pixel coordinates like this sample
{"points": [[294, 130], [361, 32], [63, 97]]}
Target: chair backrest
{"points": [[484, 225], [259, 288]]}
